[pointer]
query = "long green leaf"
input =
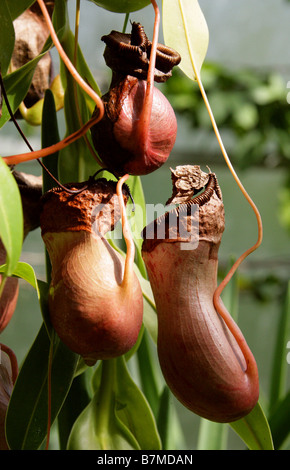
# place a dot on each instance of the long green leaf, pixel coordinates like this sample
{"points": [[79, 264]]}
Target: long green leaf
{"points": [[212, 436], [186, 31], [49, 136], [254, 430], [76, 401], [11, 217], [138, 219], [26, 421], [7, 37]]}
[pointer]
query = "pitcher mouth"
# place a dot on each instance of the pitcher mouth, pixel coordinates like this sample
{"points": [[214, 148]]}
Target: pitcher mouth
{"points": [[181, 224]]}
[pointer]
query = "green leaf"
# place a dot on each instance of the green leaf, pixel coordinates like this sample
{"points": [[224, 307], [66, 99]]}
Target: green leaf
{"points": [[18, 82], [280, 367], [122, 6], [77, 399], [186, 31], [76, 162], [27, 416], [26, 272], [149, 314], [211, 435], [169, 427], [118, 417], [133, 410], [254, 430], [7, 37], [11, 217], [17, 7], [149, 372], [279, 421], [49, 136], [17, 85]]}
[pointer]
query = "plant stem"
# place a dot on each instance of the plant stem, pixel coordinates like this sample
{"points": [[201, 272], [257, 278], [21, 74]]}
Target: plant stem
{"points": [[95, 97]]}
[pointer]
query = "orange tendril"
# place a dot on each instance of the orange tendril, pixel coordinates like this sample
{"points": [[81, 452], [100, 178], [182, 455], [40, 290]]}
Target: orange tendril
{"points": [[145, 116], [24, 157]]}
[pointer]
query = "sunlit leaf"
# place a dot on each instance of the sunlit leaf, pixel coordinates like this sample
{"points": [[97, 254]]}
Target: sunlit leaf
{"points": [[149, 315], [122, 6], [186, 31], [254, 430]]}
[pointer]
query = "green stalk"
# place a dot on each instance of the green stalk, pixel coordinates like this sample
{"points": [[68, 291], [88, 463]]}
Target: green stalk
{"points": [[105, 401]]}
